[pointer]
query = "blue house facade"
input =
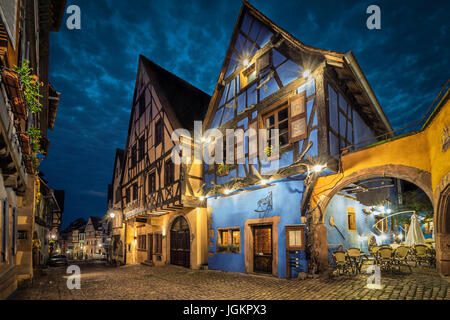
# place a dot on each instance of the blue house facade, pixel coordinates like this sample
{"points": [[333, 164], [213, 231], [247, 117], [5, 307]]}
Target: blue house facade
{"points": [[243, 214], [258, 203]]}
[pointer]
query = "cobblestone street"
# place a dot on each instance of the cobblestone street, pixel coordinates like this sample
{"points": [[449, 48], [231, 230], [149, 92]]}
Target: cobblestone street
{"points": [[170, 282]]}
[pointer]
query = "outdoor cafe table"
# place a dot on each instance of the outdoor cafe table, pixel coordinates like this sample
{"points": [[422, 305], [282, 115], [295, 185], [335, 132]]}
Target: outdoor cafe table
{"points": [[357, 261]]}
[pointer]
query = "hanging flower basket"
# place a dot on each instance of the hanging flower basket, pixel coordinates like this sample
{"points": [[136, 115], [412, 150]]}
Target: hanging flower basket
{"points": [[24, 140]]}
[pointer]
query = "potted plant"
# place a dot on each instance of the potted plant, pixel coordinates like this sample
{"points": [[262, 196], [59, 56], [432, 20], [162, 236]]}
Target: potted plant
{"points": [[223, 169], [270, 153], [235, 248], [222, 248], [30, 87]]}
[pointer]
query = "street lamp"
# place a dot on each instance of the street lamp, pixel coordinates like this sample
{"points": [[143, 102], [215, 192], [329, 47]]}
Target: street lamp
{"points": [[112, 215]]}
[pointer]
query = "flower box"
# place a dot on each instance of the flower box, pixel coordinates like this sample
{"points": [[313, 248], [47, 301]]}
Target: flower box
{"points": [[24, 140], [12, 83], [19, 109], [223, 169], [29, 166]]}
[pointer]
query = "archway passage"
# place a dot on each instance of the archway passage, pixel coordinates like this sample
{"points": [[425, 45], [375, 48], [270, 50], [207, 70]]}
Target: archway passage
{"points": [[378, 211], [328, 187], [180, 242], [443, 231]]}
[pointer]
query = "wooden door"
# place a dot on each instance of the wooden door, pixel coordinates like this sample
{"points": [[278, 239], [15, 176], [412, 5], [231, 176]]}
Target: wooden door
{"points": [[180, 243], [262, 248]]}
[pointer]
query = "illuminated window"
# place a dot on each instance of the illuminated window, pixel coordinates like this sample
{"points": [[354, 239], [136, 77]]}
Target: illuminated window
{"points": [[229, 240], [351, 219], [278, 119]]}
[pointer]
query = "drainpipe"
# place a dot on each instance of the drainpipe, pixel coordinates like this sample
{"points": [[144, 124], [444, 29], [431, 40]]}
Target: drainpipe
{"points": [[125, 245]]}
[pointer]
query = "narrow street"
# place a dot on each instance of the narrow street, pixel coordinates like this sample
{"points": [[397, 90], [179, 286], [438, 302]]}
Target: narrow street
{"points": [[102, 282]]}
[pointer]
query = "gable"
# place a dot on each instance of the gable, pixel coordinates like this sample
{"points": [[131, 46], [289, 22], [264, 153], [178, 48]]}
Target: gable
{"points": [[260, 61]]}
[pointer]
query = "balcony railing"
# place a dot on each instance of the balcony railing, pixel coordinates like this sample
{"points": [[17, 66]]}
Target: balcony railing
{"points": [[12, 122]]}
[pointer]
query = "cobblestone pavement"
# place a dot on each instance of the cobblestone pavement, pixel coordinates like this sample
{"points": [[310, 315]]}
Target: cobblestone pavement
{"points": [[171, 282]]}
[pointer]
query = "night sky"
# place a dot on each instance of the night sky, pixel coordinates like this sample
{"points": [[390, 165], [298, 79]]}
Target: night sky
{"points": [[406, 63]]}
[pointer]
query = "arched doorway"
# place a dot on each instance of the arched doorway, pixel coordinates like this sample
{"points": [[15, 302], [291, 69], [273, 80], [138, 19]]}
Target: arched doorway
{"points": [[180, 244], [320, 220], [443, 226]]}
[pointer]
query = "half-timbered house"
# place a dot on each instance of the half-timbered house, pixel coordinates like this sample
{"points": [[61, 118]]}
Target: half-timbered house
{"points": [[165, 221], [321, 103], [114, 211]]}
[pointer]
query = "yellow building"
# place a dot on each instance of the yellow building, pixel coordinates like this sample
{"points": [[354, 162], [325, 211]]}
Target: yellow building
{"points": [[421, 157]]}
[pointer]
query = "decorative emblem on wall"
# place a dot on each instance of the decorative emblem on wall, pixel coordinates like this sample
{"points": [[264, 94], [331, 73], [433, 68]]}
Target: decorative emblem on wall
{"points": [[445, 138], [264, 205]]}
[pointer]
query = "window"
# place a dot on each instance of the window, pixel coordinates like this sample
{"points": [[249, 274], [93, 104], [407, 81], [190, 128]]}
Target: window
{"points": [[142, 104], [351, 220], [158, 132], [133, 156], [127, 195], [151, 183], [118, 195], [229, 240], [135, 191], [341, 122], [278, 119], [169, 172], [158, 243], [142, 242], [141, 148], [428, 227]]}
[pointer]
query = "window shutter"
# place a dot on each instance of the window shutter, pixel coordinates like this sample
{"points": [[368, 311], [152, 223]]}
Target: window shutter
{"points": [[263, 62], [14, 232], [298, 128], [5, 230]]}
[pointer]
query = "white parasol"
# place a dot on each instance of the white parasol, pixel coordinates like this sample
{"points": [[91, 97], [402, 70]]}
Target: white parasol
{"points": [[415, 235]]}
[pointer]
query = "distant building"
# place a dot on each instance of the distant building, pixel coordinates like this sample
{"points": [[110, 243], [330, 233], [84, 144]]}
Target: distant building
{"points": [[71, 237], [47, 221], [116, 249], [93, 242]]}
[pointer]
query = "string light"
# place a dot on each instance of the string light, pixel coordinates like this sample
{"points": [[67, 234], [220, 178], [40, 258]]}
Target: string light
{"points": [[306, 74], [318, 168]]}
